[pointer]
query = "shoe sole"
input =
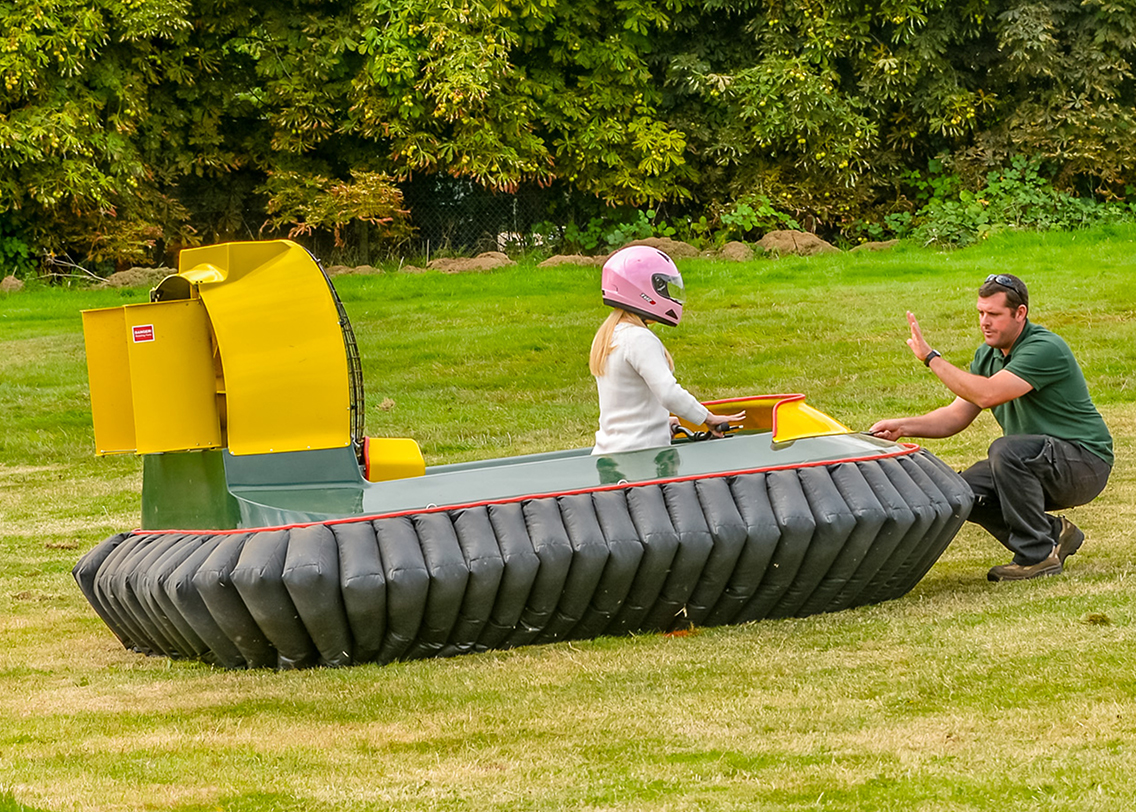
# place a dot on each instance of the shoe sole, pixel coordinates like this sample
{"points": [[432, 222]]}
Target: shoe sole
{"points": [[1071, 545], [1055, 570]]}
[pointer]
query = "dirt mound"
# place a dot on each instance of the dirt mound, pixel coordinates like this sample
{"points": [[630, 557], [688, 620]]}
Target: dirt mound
{"points": [[11, 284], [884, 245], [675, 249], [136, 278], [482, 262], [342, 270], [801, 243], [735, 252], [570, 259]]}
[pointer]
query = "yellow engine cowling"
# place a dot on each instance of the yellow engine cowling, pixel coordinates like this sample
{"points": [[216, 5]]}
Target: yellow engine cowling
{"points": [[241, 349]]}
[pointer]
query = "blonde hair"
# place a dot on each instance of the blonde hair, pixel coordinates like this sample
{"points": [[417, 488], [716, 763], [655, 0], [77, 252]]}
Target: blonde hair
{"points": [[602, 346]]}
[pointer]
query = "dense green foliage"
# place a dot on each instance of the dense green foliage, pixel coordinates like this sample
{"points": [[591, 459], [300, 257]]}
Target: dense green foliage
{"points": [[823, 104], [128, 127]]}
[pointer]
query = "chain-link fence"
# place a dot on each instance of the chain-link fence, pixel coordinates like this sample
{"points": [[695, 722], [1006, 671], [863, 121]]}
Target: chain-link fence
{"points": [[449, 217], [456, 216]]}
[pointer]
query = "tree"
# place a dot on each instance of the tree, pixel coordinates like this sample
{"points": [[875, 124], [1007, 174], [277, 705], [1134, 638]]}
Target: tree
{"points": [[76, 81], [1065, 89], [511, 91], [826, 106]]}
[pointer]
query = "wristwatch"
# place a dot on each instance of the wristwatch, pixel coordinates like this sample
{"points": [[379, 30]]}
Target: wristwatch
{"points": [[930, 355]]}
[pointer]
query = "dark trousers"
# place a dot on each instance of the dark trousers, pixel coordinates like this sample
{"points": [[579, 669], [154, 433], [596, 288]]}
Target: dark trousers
{"points": [[1024, 476]]}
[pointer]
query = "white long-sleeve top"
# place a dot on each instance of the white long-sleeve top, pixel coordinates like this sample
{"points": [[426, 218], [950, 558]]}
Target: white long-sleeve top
{"points": [[638, 392]]}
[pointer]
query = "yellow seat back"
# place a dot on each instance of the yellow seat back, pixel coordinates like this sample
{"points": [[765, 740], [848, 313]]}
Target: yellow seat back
{"points": [[388, 458]]}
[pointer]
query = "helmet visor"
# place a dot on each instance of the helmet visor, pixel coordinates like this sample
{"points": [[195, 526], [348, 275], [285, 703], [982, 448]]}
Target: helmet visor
{"points": [[670, 287]]}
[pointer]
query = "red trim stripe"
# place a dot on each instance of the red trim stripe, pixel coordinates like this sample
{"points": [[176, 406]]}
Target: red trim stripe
{"points": [[908, 448]]}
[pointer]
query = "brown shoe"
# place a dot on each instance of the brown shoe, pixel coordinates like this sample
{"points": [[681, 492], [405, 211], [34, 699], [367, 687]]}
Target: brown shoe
{"points": [[1023, 572], [1069, 540]]}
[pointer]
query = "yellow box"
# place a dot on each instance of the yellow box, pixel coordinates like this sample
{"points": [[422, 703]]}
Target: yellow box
{"points": [[153, 385], [108, 370]]}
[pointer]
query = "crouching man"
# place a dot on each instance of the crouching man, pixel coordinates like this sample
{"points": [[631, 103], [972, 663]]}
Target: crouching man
{"points": [[1055, 452]]}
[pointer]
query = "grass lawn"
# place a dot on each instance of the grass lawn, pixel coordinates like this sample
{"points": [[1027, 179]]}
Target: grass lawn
{"points": [[963, 695]]}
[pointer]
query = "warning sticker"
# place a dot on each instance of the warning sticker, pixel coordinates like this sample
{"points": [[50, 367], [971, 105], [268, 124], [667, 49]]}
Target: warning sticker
{"points": [[143, 332]]}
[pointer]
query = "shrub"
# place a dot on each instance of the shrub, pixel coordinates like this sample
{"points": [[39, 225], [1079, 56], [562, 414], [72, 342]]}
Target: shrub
{"points": [[1018, 196], [16, 257], [601, 234]]}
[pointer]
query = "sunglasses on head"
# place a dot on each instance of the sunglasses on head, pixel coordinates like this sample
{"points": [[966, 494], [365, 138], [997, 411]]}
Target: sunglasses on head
{"points": [[1005, 281]]}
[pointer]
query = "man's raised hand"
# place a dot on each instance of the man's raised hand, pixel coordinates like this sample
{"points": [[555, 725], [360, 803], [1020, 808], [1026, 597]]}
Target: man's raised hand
{"points": [[917, 343]]}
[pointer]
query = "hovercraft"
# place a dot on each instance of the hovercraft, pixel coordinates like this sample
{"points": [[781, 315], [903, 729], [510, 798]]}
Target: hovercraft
{"points": [[275, 534]]}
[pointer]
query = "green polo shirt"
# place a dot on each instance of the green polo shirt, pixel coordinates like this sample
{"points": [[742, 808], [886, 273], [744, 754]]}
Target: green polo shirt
{"points": [[1059, 404]]}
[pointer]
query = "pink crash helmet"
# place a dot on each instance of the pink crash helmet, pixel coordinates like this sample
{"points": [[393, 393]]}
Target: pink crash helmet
{"points": [[645, 281]]}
